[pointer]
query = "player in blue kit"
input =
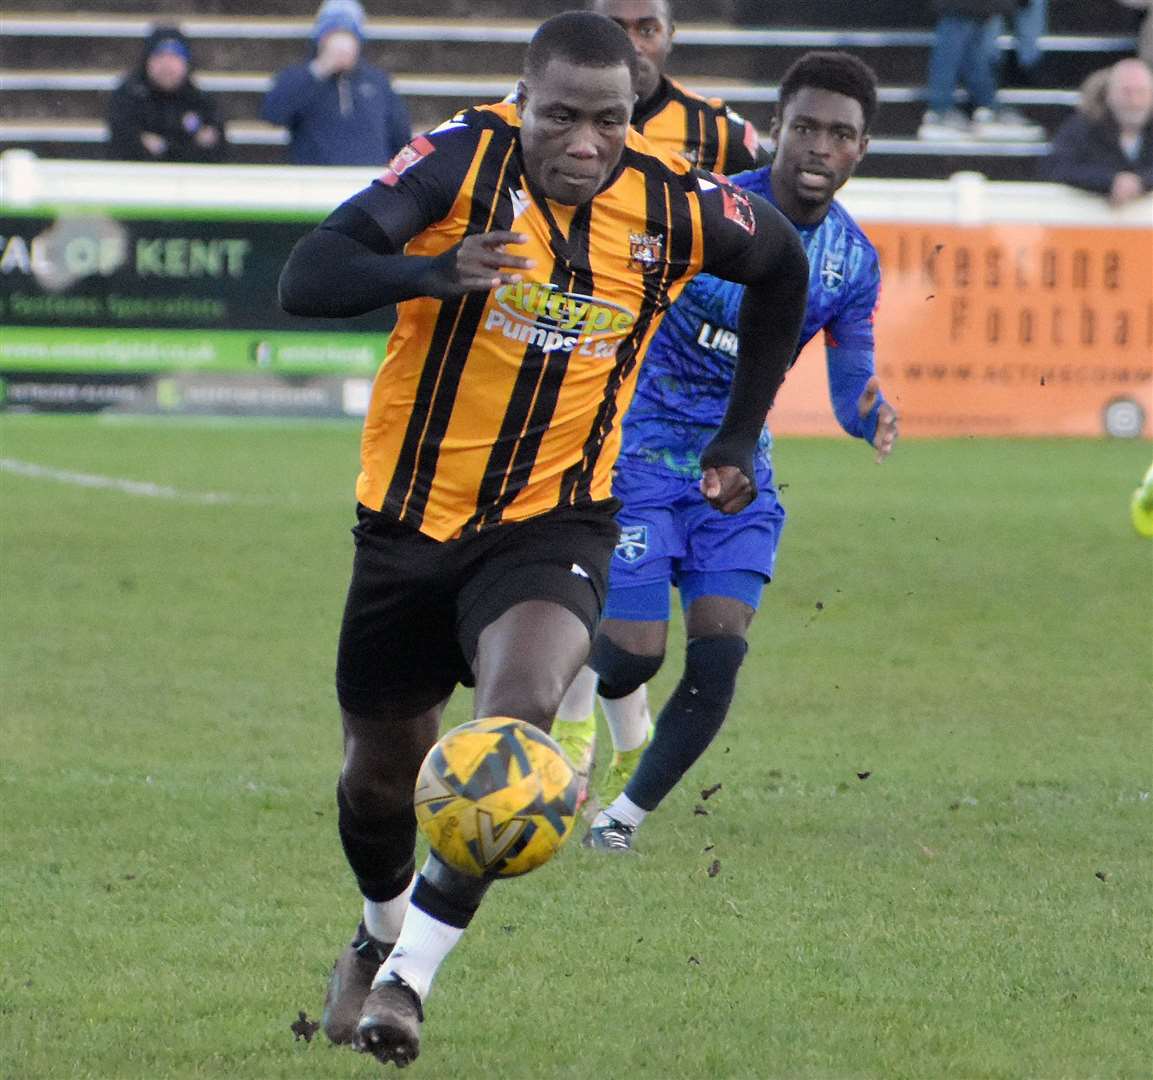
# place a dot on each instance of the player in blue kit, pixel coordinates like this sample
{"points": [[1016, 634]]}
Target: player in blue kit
{"points": [[720, 564]]}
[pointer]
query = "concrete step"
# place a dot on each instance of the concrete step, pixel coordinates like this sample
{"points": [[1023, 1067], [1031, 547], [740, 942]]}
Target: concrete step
{"points": [[1065, 16], [48, 95], [477, 47]]}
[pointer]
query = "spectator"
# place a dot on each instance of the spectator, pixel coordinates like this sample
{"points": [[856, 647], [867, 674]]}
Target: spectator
{"points": [[158, 113], [1145, 33], [965, 51], [339, 109], [1106, 146], [1029, 23]]}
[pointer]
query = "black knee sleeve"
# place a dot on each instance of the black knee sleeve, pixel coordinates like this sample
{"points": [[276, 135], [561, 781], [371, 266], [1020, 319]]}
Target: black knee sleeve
{"points": [[711, 666], [620, 672], [380, 851]]}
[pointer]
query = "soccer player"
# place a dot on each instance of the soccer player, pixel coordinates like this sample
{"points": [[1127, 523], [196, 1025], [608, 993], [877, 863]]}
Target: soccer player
{"points": [[720, 564], [704, 130], [709, 134], [1141, 505], [532, 248]]}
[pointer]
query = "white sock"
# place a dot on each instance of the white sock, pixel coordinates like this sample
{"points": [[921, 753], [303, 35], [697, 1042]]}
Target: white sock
{"points": [[579, 699], [420, 948], [628, 719], [384, 918], [621, 809]]}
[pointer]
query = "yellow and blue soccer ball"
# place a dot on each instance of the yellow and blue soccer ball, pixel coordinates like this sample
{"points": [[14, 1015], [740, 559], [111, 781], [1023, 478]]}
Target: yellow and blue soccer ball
{"points": [[496, 797]]}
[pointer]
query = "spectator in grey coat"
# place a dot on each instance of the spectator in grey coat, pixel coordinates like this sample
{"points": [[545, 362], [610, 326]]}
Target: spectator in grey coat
{"points": [[339, 109], [1106, 146]]}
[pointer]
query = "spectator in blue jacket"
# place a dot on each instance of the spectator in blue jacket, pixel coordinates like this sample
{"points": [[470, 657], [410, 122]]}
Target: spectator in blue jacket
{"points": [[1106, 146], [339, 109], [965, 51]]}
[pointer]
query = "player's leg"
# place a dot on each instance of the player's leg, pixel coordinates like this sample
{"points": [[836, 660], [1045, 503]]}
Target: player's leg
{"points": [[575, 727], [526, 616], [643, 555], [719, 605], [397, 662], [716, 629], [382, 755], [628, 651]]}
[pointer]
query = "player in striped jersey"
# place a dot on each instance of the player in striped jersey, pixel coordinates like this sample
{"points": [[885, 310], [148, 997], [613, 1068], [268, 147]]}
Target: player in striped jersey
{"points": [[533, 249], [704, 130]]}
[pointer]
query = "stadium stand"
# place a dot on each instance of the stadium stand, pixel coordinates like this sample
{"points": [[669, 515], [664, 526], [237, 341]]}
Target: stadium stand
{"points": [[57, 66]]}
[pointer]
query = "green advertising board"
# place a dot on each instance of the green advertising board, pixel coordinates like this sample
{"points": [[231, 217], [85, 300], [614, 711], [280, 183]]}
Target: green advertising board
{"points": [[160, 311]]}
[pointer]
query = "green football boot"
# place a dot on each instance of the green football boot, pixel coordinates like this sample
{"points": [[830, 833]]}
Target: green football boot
{"points": [[578, 739], [620, 772]]}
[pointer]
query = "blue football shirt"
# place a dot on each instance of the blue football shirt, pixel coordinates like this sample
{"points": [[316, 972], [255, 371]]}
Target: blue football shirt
{"points": [[686, 374]]}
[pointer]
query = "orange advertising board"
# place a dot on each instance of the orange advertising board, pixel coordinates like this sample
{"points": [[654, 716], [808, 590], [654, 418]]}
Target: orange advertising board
{"points": [[1002, 329]]}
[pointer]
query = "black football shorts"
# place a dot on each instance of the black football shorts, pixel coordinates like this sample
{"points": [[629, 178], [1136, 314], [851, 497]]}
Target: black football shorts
{"points": [[416, 606]]}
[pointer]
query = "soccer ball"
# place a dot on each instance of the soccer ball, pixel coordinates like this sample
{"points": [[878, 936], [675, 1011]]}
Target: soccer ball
{"points": [[496, 797]]}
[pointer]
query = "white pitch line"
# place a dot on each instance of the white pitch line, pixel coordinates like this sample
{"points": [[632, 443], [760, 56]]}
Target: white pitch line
{"points": [[115, 483]]}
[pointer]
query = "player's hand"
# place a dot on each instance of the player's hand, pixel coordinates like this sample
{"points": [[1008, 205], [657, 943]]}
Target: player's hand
{"points": [[886, 433], [483, 262], [727, 489]]}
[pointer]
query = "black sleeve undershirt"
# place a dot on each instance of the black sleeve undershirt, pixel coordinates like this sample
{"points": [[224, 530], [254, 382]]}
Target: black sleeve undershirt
{"points": [[771, 263]]}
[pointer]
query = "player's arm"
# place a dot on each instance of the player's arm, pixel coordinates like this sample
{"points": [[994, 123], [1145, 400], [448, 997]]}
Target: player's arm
{"points": [[854, 389], [354, 261], [744, 146], [751, 243]]}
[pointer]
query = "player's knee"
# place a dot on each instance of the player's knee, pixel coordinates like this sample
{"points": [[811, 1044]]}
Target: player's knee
{"points": [[377, 780], [373, 794], [620, 671], [711, 666], [530, 696]]}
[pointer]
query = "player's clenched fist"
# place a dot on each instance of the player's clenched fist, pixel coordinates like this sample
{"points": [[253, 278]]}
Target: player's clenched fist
{"points": [[727, 489]]}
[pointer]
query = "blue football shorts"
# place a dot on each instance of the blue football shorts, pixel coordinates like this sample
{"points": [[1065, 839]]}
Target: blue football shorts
{"points": [[669, 535]]}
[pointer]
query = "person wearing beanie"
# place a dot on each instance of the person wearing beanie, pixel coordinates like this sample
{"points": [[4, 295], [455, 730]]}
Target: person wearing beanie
{"points": [[158, 113], [338, 108]]}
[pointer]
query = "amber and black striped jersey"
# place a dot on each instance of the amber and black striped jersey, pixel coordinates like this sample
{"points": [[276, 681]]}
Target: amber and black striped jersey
{"points": [[704, 130], [497, 406]]}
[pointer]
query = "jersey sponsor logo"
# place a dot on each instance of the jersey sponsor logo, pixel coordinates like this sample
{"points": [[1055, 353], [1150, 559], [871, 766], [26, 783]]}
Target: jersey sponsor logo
{"points": [[408, 156], [646, 252], [633, 544], [718, 339], [540, 314], [738, 208]]}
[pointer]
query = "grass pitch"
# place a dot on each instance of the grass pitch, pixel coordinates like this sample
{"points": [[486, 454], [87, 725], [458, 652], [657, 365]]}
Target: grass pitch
{"points": [[931, 842]]}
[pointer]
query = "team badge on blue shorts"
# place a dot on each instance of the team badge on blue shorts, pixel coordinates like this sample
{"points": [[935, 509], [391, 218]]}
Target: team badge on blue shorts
{"points": [[634, 542]]}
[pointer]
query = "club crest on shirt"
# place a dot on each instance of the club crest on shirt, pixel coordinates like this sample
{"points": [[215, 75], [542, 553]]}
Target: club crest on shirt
{"points": [[646, 252], [405, 159], [833, 270], [634, 542]]}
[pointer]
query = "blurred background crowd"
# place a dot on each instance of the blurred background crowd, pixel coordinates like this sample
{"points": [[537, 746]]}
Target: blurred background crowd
{"points": [[1017, 89]]}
